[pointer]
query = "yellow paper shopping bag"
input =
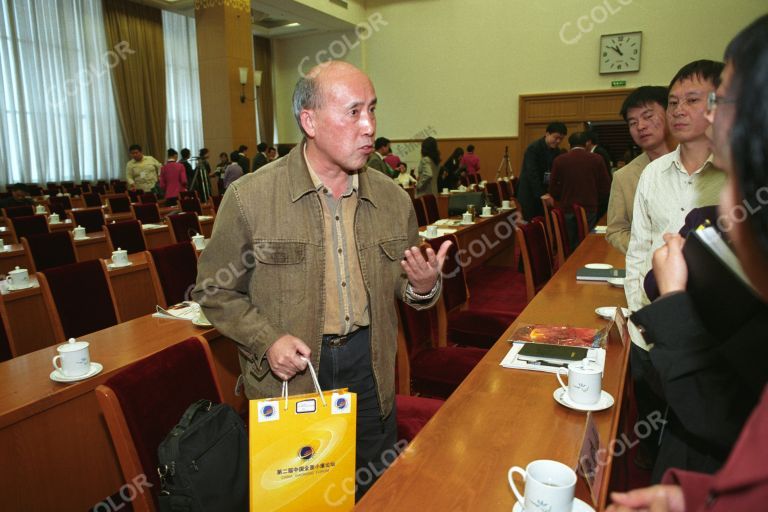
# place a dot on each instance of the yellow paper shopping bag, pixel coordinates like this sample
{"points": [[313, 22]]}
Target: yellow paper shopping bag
{"points": [[302, 451]]}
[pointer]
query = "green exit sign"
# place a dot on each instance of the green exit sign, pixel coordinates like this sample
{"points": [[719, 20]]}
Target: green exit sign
{"points": [[619, 83]]}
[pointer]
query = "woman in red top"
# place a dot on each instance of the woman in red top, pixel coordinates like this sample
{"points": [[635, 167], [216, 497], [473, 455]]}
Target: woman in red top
{"points": [[173, 178]]}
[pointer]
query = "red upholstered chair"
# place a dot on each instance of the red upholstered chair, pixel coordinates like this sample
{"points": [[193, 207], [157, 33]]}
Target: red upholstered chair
{"points": [[100, 188], [430, 208], [92, 200], [504, 193], [536, 254], [5, 345], [74, 191], [456, 322], [582, 225], [119, 188], [92, 219], [119, 203], [188, 194], [421, 212], [126, 234], [60, 205], [49, 250], [143, 402], [174, 272], [35, 190], [148, 197], [561, 236], [191, 204], [79, 298], [18, 211], [183, 226], [547, 209], [430, 370], [29, 225], [216, 201], [146, 213], [493, 193], [413, 412]]}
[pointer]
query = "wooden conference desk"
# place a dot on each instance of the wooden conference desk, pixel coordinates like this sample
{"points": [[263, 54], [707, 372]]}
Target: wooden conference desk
{"points": [[499, 417], [55, 448]]}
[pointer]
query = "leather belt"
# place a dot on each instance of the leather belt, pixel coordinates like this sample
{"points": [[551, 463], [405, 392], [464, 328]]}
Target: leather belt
{"points": [[339, 340]]}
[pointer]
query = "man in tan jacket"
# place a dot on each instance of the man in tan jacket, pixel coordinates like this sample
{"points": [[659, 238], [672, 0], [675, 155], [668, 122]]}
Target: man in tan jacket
{"points": [[644, 112], [308, 255]]}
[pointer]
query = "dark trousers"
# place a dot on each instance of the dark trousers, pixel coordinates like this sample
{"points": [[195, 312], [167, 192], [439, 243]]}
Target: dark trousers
{"points": [[649, 394], [349, 366]]}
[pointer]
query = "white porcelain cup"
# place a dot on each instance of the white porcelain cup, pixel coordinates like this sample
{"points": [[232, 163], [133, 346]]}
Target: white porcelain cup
{"points": [[585, 380], [18, 278], [40, 209], [472, 186], [486, 210], [199, 241], [79, 232], [54, 218], [120, 257], [2, 244], [445, 190], [549, 486], [74, 358], [431, 230], [505, 203], [466, 218]]}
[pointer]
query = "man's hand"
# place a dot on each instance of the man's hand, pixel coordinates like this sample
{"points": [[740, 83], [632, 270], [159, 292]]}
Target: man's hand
{"points": [[669, 266], [284, 356], [658, 498], [422, 273]]}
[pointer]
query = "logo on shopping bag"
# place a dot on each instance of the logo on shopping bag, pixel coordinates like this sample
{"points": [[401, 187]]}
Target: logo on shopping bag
{"points": [[306, 452], [341, 403], [268, 411]]}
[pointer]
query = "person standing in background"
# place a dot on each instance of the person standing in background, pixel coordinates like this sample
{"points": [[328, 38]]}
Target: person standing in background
{"points": [[141, 172], [470, 161], [173, 178], [537, 164], [261, 159], [200, 181], [185, 154], [427, 174]]}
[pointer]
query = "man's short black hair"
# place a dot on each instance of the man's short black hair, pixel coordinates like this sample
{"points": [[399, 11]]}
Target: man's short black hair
{"points": [[242, 148], [18, 186], [705, 70], [643, 96], [470, 148], [186, 153], [591, 136], [381, 142], [172, 152], [234, 156], [134, 147], [577, 139], [557, 127], [262, 147]]}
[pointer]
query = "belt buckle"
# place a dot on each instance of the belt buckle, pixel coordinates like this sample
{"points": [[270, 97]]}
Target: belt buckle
{"points": [[338, 341]]}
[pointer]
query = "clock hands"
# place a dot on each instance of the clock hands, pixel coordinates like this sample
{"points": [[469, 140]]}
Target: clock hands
{"points": [[616, 49]]}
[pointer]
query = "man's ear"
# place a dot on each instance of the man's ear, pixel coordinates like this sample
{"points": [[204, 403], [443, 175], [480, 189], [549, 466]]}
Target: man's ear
{"points": [[307, 118]]}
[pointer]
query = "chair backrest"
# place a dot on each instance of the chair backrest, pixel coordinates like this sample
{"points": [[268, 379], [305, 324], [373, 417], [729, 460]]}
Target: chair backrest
{"points": [[99, 188], [29, 225], [513, 181], [119, 188], [143, 402], [91, 199], [548, 224], [126, 234], [18, 211], [119, 204], [174, 271], [504, 190], [60, 205], [35, 190], [455, 292], [582, 225], [148, 197], [183, 226], [561, 235], [493, 193], [416, 327], [49, 250], [421, 212], [92, 219], [80, 298], [191, 204], [534, 249], [430, 208], [216, 200], [457, 203], [74, 191], [146, 213], [188, 194]]}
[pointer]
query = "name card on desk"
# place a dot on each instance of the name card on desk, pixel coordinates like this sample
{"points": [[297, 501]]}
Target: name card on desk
{"points": [[620, 324], [593, 459]]}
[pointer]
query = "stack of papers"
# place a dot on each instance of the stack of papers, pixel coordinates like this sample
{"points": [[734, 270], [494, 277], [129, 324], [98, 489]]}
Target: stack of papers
{"points": [[187, 310], [511, 361]]}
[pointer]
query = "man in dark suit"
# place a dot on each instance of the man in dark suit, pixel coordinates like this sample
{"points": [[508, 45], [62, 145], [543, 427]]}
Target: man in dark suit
{"points": [[242, 158], [593, 146], [537, 163], [261, 159], [579, 176]]}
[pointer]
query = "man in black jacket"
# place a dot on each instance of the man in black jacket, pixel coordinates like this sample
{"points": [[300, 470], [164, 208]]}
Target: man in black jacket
{"points": [[260, 160], [537, 163]]}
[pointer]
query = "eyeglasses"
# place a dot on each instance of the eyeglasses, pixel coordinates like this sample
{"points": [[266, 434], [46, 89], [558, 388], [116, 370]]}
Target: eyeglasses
{"points": [[713, 100]]}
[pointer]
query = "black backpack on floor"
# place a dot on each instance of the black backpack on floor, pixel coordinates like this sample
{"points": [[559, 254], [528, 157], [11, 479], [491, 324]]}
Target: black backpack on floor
{"points": [[203, 461]]}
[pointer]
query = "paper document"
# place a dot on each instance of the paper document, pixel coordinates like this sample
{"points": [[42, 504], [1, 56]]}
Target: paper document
{"points": [[511, 360]]}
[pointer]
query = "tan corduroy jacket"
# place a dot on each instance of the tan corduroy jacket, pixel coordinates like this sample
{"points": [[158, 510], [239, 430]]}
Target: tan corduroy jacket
{"points": [[262, 273], [622, 200]]}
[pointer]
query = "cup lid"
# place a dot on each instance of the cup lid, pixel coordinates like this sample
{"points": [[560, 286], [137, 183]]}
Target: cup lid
{"points": [[17, 270], [72, 345], [585, 366]]}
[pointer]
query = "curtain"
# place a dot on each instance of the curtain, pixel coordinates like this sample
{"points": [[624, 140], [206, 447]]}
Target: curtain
{"points": [[182, 83], [262, 60], [59, 119], [139, 83]]}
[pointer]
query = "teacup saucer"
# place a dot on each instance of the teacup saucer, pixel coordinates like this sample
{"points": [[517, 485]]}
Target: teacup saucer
{"points": [[81, 237], [486, 216], [561, 396], [115, 265], [502, 209], [578, 506], [13, 288], [616, 281], [60, 377]]}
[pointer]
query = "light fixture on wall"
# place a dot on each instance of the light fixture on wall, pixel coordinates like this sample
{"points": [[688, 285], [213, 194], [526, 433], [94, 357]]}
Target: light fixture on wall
{"points": [[243, 81], [257, 77]]}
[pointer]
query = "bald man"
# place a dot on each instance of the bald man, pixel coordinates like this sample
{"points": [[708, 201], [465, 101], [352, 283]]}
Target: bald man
{"points": [[307, 256]]}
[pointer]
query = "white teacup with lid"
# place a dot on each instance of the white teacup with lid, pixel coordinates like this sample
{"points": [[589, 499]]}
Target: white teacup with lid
{"points": [[53, 218], [505, 204], [466, 218], [79, 232], [585, 379], [74, 358], [199, 241], [486, 211], [18, 278], [120, 257], [40, 209]]}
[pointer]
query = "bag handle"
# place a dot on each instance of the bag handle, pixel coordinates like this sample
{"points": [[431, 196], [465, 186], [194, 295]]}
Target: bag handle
{"points": [[314, 380]]}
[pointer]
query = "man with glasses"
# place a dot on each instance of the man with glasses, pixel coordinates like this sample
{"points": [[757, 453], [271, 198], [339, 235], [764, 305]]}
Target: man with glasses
{"points": [[669, 188]]}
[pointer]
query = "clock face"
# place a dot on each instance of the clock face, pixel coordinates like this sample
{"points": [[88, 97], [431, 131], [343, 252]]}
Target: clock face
{"points": [[620, 53]]}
